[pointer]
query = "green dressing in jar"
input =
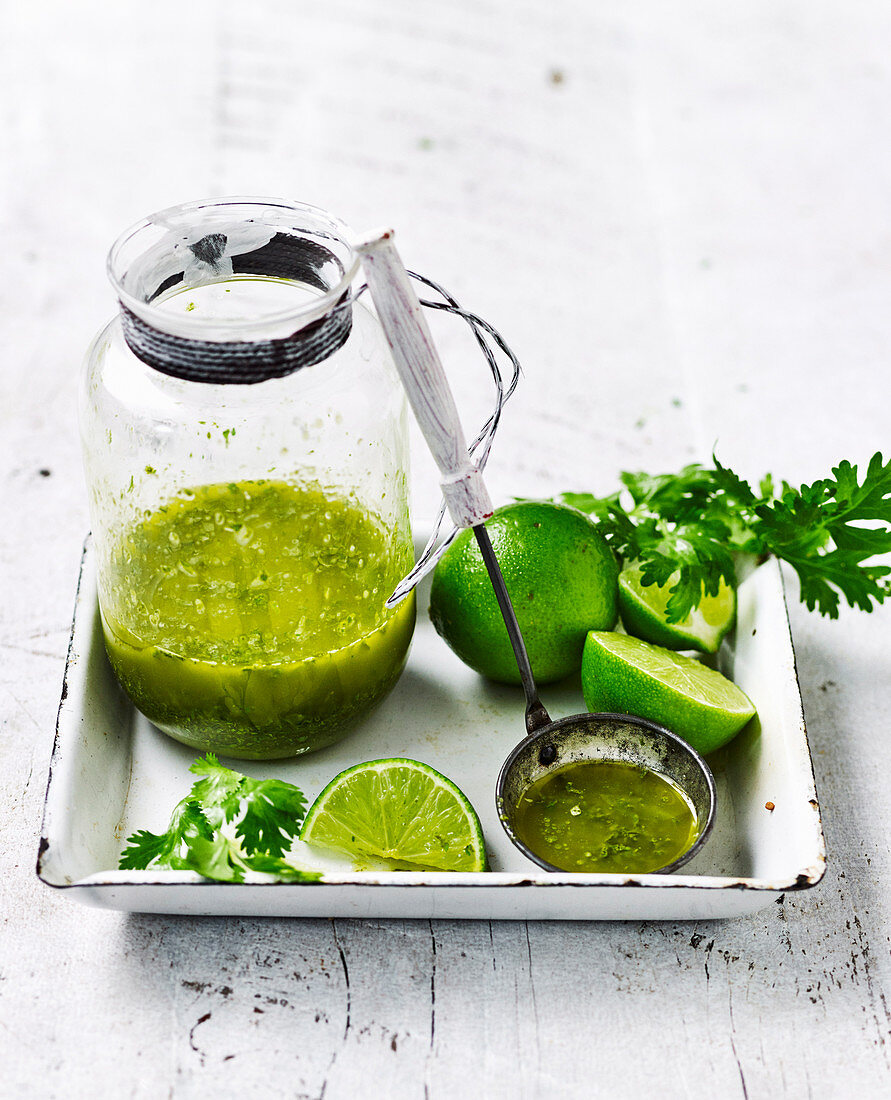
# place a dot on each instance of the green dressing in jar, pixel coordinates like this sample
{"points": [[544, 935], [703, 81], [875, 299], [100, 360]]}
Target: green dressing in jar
{"points": [[606, 816], [249, 618]]}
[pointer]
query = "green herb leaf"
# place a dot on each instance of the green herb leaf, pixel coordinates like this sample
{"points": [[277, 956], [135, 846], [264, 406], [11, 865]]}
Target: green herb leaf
{"points": [[280, 868], [145, 848], [273, 812], [696, 522], [215, 857], [829, 530], [229, 824], [216, 787]]}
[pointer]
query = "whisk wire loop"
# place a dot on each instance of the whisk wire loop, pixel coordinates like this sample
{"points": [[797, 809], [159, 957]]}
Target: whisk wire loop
{"points": [[486, 336]]}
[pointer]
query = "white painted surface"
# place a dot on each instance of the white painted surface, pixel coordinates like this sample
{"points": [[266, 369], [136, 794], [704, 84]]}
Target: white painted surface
{"points": [[112, 773], [679, 215]]}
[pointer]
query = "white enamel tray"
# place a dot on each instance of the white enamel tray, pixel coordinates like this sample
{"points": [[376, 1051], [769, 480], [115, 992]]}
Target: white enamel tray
{"points": [[112, 773]]}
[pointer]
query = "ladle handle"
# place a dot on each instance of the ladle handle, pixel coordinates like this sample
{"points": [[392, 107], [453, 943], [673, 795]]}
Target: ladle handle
{"points": [[431, 399], [536, 715], [424, 379]]}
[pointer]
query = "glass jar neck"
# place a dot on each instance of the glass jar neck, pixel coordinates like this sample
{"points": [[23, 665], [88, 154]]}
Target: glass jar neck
{"points": [[234, 290]]}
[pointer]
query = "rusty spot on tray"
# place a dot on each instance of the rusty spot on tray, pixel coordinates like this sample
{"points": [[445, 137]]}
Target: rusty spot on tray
{"points": [[44, 845]]}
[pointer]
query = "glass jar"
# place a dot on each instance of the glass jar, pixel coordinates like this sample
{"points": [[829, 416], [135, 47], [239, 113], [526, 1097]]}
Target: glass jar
{"points": [[245, 444]]}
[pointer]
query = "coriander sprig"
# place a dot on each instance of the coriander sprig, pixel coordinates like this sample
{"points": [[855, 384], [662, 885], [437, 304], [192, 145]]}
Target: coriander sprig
{"points": [[690, 526], [227, 825]]}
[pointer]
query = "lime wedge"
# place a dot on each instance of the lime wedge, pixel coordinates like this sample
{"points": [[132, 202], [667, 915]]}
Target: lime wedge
{"points": [[630, 676], [643, 614], [399, 810]]}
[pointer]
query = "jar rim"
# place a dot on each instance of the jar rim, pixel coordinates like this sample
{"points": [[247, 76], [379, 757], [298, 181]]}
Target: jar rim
{"points": [[156, 237]]}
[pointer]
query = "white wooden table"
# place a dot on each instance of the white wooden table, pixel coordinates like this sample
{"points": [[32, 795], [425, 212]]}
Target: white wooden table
{"points": [[680, 216]]}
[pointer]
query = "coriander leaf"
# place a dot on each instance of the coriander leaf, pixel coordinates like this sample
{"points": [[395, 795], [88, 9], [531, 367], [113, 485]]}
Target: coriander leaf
{"points": [[143, 848], [271, 865], [733, 486], [273, 812], [669, 495], [698, 553], [694, 544], [216, 857], [828, 531], [146, 849], [223, 859], [696, 522], [600, 508], [213, 791], [264, 815]]}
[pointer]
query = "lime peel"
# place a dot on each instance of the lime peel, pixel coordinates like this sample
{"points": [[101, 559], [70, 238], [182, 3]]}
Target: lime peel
{"points": [[627, 675], [560, 574]]}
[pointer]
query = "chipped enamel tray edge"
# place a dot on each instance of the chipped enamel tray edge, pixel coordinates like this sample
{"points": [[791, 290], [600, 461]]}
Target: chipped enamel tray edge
{"points": [[112, 772]]}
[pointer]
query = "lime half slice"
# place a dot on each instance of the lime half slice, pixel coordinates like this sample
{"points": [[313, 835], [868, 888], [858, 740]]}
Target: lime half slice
{"points": [[643, 614], [630, 676], [400, 810]]}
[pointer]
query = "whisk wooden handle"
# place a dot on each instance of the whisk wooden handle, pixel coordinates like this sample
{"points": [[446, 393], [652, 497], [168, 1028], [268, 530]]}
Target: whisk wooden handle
{"points": [[423, 377]]}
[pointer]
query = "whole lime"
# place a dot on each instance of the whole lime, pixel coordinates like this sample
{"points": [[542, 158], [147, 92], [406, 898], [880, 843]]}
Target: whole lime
{"points": [[562, 580]]}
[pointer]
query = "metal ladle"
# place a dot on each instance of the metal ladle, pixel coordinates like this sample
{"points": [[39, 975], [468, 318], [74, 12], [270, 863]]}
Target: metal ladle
{"points": [[548, 744]]}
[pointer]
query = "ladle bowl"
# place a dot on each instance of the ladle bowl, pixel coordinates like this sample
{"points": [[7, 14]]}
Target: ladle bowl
{"points": [[615, 737]]}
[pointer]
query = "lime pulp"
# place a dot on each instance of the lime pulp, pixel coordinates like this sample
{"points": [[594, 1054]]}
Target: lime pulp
{"points": [[643, 609], [397, 810], [629, 676]]}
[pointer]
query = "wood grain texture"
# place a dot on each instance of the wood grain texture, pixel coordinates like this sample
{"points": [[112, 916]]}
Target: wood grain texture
{"points": [[678, 215]]}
